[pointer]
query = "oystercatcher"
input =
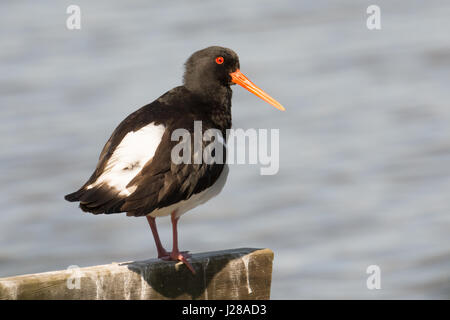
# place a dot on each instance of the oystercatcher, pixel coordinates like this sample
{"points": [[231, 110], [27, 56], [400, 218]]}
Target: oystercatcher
{"points": [[135, 174]]}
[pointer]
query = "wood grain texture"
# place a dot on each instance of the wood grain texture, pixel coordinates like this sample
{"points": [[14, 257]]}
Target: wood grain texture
{"points": [[243, 273]]}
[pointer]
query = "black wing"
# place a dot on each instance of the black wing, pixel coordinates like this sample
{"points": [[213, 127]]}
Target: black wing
{"points": [[162, 183], [102, 198]]}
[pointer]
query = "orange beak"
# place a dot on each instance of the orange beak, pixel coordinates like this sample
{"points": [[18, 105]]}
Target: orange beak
{"points": [[238, 78]]}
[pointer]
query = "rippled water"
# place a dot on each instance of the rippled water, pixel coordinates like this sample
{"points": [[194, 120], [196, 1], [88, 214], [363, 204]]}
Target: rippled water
{"points": [[365, 141]]}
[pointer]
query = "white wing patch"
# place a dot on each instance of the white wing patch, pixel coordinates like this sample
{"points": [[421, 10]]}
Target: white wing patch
{"points": [[129, 157]]}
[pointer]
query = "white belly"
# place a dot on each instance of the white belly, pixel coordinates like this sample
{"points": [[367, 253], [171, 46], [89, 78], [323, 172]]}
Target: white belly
{"points": [[195, 200]]}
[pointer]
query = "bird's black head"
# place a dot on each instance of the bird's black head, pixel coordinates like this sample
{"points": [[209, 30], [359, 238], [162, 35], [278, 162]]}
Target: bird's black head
{"points": [[210, 72]]}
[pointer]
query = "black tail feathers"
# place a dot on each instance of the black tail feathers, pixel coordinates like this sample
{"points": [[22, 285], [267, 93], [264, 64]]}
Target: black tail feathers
{"points": [[74, 196], [100, 199]]}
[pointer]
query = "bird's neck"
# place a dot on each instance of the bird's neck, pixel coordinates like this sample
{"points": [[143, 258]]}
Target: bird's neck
{"points": [[216, 102]]}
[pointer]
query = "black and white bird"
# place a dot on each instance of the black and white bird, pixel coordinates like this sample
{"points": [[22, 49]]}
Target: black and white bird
{"points": [[135, 173]]}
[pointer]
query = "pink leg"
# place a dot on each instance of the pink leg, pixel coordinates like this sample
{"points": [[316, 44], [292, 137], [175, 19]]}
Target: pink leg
{"points": [[176, 255], [161, 251]]}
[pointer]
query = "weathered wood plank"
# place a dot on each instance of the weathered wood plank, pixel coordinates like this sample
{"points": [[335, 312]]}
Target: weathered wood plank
{"points": [[243, 273]]}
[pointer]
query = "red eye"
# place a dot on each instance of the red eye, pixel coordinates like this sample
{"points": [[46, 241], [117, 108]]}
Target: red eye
{"points": [[219, 60]]}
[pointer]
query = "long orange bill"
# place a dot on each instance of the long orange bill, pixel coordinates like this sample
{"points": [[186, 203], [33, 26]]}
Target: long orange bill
{"points": [[238, 78]]}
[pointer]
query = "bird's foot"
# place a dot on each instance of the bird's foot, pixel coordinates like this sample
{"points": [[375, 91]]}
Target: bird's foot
{"points": [[166, 256], [163, 254], [179, 256]]}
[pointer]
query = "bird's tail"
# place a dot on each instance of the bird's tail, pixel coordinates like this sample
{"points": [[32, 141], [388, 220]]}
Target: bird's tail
{"points": [[99, 199], [74, 196]]}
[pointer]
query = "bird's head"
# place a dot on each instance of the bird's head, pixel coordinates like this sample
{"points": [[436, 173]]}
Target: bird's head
{"points": [[214, 69]]}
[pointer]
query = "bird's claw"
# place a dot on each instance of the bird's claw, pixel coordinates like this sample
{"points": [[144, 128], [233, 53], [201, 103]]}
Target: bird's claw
{"points": [[179, 256]]}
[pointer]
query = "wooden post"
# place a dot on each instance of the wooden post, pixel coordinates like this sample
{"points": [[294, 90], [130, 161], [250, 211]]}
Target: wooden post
{"points": [[243, 273]]}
